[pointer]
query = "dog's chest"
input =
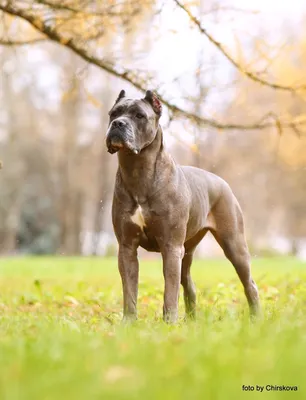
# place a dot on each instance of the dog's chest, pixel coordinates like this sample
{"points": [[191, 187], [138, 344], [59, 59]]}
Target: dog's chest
{"points": [[144, 216], [138, 217]]}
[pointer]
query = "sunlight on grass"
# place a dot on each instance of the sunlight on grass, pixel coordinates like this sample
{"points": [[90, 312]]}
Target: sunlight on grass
{"points": [[61, 337]]}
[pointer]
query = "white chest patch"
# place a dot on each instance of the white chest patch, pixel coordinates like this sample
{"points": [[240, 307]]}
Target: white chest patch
{"points": [[138, 218]]}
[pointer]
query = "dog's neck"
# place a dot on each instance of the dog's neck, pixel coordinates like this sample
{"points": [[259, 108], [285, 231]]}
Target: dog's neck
{"points": [[138, 172]]}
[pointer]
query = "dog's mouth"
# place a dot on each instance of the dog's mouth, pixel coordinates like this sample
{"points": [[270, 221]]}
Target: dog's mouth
{"points": [[113, 148], [115, 144]]}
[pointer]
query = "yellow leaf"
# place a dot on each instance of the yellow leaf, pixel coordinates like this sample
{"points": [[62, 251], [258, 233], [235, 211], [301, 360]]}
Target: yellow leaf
{"points": [[117, 373], [68, 95], [194, 148], [95, 102], [64, 40]]}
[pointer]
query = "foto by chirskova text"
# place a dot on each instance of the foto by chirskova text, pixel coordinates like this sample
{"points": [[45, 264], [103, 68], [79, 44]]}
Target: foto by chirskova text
{"points": [[269, 388]]}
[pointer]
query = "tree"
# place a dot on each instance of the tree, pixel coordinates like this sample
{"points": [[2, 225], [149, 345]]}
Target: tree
{"points": [[57, 21]]}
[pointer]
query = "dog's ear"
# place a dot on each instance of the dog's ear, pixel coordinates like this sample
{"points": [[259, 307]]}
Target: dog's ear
{"points": [[121, 95], [154, 101]]}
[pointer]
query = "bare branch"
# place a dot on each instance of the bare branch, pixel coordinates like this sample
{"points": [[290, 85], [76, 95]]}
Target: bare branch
{"points": [[79, 47], [58, 6], [229, 9], [254, 77], [81, 9], [4, 42]]}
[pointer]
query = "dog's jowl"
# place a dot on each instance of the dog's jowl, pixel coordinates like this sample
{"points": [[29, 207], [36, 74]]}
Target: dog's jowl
{"points": [[167, 208]]}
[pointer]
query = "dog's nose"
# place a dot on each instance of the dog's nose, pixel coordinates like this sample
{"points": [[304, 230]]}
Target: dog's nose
{"points": [[118, 123]]}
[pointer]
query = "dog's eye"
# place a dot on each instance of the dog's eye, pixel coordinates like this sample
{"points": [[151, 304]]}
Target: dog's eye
{"points": [[139, 115], [113, 114]]}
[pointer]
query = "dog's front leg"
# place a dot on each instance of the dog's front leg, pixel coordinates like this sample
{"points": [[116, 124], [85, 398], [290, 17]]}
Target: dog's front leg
{"points": [[129, 269], [172, 261]]}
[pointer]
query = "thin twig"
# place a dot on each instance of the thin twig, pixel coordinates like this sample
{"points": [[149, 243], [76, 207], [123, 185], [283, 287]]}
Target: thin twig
{"points": [[127, 75], [235, 63]]}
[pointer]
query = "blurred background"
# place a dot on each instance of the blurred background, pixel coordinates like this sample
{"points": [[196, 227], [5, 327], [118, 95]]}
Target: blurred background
{"points": [[231, 75]]}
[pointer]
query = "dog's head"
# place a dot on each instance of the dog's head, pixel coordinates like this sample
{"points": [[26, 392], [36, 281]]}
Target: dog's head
{"points": [[133, 123]]}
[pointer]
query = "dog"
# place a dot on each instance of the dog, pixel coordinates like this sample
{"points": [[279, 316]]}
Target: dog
{"points": [[167, 208]]}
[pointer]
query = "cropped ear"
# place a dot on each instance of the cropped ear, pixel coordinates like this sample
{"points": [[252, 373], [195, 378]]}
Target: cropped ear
{"points": [[121, 95], [154, 101]]}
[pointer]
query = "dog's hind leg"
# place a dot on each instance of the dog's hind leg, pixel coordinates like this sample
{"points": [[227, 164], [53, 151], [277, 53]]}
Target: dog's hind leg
{"points": [[229, 232], [188, 285]]}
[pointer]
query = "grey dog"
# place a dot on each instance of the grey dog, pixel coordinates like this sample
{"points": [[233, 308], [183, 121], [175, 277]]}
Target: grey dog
{"points": [[167, 208]]}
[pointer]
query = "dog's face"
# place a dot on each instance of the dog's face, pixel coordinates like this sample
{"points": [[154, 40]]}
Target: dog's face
{"points": [[133, 123]]}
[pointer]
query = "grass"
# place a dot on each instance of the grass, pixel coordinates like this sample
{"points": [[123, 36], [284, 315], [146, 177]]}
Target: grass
{"points": [[61, 337]]}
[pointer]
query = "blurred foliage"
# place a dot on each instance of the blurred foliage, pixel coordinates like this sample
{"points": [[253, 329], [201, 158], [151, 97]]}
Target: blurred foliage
{"points": [[57, 179]]}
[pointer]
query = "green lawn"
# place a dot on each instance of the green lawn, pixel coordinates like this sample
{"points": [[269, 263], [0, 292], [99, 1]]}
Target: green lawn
{"points": [[61, 337]]}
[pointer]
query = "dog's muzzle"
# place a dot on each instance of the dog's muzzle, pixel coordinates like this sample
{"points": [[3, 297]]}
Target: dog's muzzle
{"points": [[118, 137], [114, 142]]}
